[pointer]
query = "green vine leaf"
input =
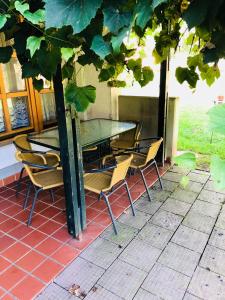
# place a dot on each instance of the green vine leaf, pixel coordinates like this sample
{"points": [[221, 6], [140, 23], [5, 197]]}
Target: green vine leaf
{"points": [[117, 83], [67, 53], [36, 17], [21, 7], [147, 76], [115, 20], [77, 13], [189, 75], [143, 12], [3, 20], [156, 3], [80, 97], [217, 118], [5, 54], [186, 160], [106, 74], [217, 168], [34, 43], [196, 13], [100, 47], [118, 40]]}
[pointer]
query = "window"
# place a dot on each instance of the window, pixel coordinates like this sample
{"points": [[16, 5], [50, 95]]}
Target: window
{"points": [[23, 109]]}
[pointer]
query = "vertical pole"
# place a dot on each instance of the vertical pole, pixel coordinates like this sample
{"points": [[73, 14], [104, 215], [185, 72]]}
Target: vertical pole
{"points": [[162, 108], [67, 150]]}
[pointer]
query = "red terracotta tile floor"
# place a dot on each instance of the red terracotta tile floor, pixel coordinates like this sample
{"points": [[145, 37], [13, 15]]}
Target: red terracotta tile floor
{"points": [[30, 257]]}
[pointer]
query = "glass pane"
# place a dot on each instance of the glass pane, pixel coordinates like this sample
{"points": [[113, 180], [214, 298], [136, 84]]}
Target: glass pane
{"points": [[18, 110], [2, 122], [48, 108], [13, 76]]}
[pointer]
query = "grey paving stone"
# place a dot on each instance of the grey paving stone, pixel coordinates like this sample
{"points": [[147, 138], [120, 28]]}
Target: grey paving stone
{"points": [[168, 186], [207, 285], [179, 170], [211, 197], [99, 293], [144, 295], [160, 195], [124, 236], [166, 219], [211, 187], [155, 236], [193, 186], [101, 252], [140, 254], [176, 206], [166, 283], [146, 206], [176, 177], [137, 222], [221, 221], [190, 238], [122, 279], [205, 208], [202, 178], [217, 238], [55, 292], [179, 258], [184, 195], [214, 258], [199, 222], [201, 172], [80, 272], [188, 296]]}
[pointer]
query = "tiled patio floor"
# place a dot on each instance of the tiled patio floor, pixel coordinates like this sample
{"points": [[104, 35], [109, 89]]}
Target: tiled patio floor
{"points": [[30, 258], [173, 249]]}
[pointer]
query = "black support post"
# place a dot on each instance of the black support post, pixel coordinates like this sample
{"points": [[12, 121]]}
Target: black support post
{"points": [[162, 108], [71, 160]]}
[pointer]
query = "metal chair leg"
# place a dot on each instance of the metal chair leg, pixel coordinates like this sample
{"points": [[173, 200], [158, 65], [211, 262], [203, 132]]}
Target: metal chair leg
{"points": [[110, 212], [33, 206], [52, 195], [146, 186], [159, 177], [27, 195], [19, 182], [130, 199]]}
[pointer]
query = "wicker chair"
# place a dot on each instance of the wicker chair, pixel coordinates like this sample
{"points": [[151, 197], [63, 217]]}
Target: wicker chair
{"points": [[48, 178], [127, 139], [105, 183], [37, 157], [142, 161]]}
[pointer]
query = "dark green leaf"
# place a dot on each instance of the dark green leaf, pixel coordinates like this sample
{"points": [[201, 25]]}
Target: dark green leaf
{"points": [[34, 43], [115, 20], [77, 13], [5, 54], [143, 12], [196, 13], [147, 76], [67, 53], [186, 160], [118, 40], [100, 47], [21, 7], [106, 74], [117, 83], [29, 70], [156, 3], [185, 74], [217, 168], [38, 84], [217, 118], [67, 71], [36, 17], [80, 97], [3, 20], [48, 60]]}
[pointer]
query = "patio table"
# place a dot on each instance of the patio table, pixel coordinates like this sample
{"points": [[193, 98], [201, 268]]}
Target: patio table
{"points": [[92, 132]]}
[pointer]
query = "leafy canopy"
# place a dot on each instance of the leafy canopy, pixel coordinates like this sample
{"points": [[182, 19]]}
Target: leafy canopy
{"points": [[45, 33]]}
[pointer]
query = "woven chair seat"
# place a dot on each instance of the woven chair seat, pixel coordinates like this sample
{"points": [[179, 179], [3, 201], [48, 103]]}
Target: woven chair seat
{"points": [[97, 182], [48, 179], [121, 144], [138, 161]]}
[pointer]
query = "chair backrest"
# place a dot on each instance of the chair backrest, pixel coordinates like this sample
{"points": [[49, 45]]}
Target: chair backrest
{"points": [[132, 135], [120, 172], [20, 141], [153, 149]]}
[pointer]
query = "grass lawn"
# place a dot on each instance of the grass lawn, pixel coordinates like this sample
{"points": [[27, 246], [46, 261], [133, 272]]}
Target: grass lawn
{"points": [[194, 135]]}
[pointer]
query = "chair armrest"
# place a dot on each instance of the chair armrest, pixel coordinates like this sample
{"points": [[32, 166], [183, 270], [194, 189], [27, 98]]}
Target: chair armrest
{"points": [[53, 154], [23, 150], [37, 166], [101, 170]]}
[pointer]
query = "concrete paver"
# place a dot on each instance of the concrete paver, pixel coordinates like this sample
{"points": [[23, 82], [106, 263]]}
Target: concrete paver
{"points": [[217, 238], [168, 186], [179, 258], [199, 222], [176, 206], [146, 206], [166, 283], [122, 279], [166, 220], [99, 293], [190, 238], [207, 209], [213, 259], [144, 295], [184, 195], [138, 222], [211, 197]]}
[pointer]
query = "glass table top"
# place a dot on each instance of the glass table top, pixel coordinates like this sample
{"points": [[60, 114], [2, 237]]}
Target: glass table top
{"points": [[92, 132]]}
